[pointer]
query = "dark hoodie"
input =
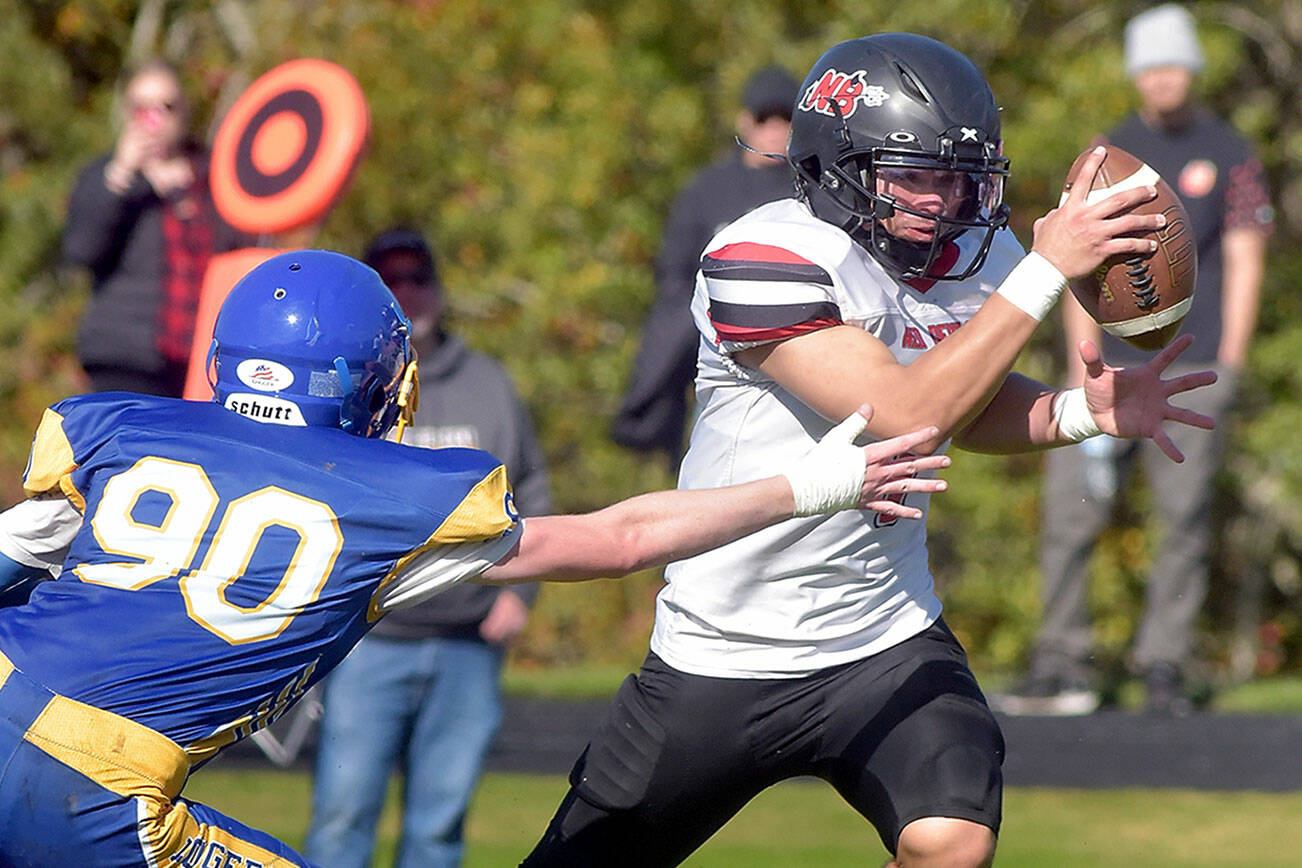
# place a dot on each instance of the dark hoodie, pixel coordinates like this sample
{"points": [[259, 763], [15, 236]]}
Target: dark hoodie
{"points": [[467, 399]]}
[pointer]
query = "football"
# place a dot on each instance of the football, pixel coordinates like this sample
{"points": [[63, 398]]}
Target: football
{"points": [[1141, 299]]}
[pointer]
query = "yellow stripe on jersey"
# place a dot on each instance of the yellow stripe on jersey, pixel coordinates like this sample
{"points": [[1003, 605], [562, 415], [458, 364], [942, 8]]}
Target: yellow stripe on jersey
{"points": [[373, 612], [51, 463], [120, 755], [171, 835], [167, 830], [481, 514], [5, 669], [206, 748]]}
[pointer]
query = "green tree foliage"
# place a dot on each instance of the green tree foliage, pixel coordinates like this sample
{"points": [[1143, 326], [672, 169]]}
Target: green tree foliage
{"points": [[541, 144]]}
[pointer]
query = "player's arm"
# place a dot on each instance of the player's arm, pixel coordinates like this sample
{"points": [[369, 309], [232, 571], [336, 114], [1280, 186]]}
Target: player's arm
{"points": [[1124, 402], [1018, 418], [1077, 326], [12, 573], [653, 529], [1134, 402], [34, 538], [1021, 415], [642, 531], [834, 369]]}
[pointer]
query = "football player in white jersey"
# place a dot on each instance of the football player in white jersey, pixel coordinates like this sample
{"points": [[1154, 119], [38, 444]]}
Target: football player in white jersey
{"points": [[816, 647]]}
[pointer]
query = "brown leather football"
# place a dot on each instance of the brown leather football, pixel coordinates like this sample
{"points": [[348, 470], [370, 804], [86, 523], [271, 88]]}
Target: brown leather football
{"points": [[1141, 299]]}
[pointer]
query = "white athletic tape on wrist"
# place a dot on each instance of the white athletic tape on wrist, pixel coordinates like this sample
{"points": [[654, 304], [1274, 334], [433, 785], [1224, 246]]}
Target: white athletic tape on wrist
{"points": [[829, 477], [1073, 415], [1033, 285]]}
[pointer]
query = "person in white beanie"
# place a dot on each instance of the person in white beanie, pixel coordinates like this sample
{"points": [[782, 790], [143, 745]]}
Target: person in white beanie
{"points": [[1218, 179], [1164, 36]]}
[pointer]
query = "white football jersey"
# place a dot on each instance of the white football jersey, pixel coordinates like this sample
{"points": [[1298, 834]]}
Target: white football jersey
{"points": [[807, 593]]}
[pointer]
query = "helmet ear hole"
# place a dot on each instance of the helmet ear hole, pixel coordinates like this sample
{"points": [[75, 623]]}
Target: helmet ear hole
{"points": [[377, 398], [808, 167]]}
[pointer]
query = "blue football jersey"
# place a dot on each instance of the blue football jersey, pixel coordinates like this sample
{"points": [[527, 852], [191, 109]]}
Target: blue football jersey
{"points": [[224, 565]]}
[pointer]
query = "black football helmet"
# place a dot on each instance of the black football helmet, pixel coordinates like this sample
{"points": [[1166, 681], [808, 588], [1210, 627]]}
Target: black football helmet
{"points": [[901, 105]]}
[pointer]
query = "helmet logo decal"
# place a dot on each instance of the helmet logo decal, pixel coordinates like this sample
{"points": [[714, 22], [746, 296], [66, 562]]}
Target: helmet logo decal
{"points": [[265, 408], [264, 375], [846, 89], [968, 134]]}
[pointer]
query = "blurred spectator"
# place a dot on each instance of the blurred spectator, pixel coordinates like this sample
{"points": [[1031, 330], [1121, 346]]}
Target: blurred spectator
{"points": [[653, 414], [1219, 181], [141, 218], [420, 692]]}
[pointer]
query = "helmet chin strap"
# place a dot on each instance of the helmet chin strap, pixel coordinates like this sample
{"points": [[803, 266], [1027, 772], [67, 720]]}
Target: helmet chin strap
{"points": [[408, 400], [831, 210], [210, 369], [890, 252], [915, 256]]}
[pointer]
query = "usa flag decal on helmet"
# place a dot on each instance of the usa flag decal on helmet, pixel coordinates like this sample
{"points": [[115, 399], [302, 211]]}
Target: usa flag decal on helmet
{"points": [[264, 375]]}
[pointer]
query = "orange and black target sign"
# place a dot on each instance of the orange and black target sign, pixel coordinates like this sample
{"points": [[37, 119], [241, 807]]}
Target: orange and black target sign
{"points": [[288, 147]]}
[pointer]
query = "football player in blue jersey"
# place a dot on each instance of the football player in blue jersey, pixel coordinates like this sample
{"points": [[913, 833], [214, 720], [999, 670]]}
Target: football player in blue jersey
{"points": [[215, 560]]}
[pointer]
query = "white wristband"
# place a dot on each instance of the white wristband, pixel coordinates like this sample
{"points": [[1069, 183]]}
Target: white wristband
{"points": [[1033, 285], [1073, 415], [829, 477]]}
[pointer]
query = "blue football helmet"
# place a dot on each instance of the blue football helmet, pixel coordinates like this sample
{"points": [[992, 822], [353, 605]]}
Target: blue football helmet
{"points": [[312, 337]]}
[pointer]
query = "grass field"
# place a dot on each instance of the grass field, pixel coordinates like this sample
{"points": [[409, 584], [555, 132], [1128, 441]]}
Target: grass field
{"points": [[804, 823]]}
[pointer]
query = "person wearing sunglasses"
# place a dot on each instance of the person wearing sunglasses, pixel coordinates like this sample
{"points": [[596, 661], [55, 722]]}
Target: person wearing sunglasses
{"points": [[420, 693], [141, 220], [654, 411]]}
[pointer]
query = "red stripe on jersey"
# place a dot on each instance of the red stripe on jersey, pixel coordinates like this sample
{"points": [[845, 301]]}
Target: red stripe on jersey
{"points": [[944, 262], [752, 252], [740, 334]]}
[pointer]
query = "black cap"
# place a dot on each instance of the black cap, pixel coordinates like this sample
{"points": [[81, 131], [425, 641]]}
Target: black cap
{"points": [[770, 91], [406, 239]]}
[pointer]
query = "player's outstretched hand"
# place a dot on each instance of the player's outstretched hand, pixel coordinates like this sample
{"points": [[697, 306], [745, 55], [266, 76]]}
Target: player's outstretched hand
{"points": [[1134, 402], [892, 471], [1079, 235], [838, 475]]}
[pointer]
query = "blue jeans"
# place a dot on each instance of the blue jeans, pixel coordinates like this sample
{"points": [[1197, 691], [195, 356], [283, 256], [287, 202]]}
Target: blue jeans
{"points": [[429, 707]]}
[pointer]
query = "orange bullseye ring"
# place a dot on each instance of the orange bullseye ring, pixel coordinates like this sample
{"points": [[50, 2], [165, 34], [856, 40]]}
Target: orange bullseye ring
{"points": [[278, 143], [286, 150]]}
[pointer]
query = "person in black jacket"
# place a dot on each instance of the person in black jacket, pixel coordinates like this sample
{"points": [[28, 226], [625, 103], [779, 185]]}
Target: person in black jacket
{"points": [[142, 220], [653, 414], [420, 692]]}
